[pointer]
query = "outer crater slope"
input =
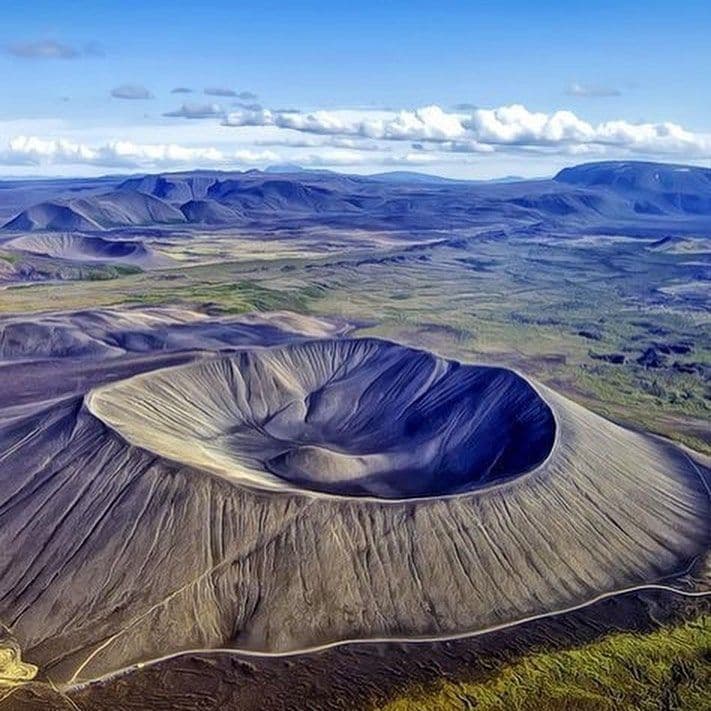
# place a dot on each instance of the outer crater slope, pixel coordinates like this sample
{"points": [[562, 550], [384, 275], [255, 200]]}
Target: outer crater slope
{"points": [[350, 417], [119, 546]]}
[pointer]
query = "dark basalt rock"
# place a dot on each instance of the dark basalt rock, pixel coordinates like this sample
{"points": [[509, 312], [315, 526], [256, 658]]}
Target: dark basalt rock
{"points": [[615, 358], [651, 358]]}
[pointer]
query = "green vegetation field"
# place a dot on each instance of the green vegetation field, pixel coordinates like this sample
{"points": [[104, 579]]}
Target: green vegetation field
{"points": [[669, 669]]}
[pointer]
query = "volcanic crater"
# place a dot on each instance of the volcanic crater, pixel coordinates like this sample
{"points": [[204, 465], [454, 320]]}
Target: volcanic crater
{"points": [[127, 535], [360, 417]]}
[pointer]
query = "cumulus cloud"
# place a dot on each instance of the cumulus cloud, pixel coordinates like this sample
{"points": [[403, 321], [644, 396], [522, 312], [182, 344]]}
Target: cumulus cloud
{"points": [[591, 90], [35, 151], [515, 124], [32, 150], [246, 96], [197, 111], [360, 138], [427, 123], [131, 91], [487, 130], [181, 90]]}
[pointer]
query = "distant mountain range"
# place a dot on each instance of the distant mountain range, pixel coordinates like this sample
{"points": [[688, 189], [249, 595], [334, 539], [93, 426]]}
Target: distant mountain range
{"points": [[609, 193]]}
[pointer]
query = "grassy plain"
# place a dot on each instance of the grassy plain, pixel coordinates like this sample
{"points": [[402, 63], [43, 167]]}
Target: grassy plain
{"points": [[666, 669]]}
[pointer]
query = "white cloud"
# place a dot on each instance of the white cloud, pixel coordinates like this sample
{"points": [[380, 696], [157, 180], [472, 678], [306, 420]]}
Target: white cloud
{"points": [[487, 130], [197, 111], [34, 151], [516, 125], [331, 158], [427, 123], [481, 141], [249, 156], [662, 138], [353, 143], [465, 146], [307, 141], [31, 150]]}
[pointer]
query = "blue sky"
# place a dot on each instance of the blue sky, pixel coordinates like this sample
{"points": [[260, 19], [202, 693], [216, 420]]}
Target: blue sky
{"points": [[356, 66]]}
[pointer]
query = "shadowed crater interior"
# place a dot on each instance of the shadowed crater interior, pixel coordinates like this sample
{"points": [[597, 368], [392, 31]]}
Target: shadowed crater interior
{"points": [[358, 417]]}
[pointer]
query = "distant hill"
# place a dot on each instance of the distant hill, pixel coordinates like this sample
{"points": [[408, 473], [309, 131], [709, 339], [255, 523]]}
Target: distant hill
{"points": [[638, 175], [173, 188], [210, 212], [654, 188], [51, 216], [406, 176], [611, 195], [123, 207]]}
